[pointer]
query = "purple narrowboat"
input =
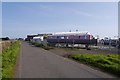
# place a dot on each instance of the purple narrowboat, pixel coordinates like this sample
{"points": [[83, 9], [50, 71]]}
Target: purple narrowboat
{"points": [[72, 37]]}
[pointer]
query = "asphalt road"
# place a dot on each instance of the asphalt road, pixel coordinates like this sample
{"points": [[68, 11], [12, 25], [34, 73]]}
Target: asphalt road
{"points": [[38, 63]]}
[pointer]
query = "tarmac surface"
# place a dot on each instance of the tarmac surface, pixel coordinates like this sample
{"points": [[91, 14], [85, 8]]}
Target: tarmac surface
{"points": [[35, 62]]}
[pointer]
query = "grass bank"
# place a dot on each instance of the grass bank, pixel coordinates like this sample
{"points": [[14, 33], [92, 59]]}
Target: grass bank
{"points": [[9, 57], [41, 46], [109, 63]]}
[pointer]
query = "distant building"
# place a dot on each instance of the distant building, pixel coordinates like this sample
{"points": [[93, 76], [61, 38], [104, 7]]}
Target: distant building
{"points": [[41, 36]]}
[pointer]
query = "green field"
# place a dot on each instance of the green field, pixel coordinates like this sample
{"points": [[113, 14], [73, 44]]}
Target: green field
{"points": [[9, 56], [109, 63]]}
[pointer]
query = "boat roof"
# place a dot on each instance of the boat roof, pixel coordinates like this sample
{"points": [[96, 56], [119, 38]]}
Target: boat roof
{"points": [[71, 33]]}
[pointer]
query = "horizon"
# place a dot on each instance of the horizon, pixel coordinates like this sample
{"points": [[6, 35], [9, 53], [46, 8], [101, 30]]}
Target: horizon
{"points": [[97, 36], [23, 18]]}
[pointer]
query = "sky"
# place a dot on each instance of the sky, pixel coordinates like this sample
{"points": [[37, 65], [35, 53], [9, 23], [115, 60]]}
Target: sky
{"points": [[22, 18], [0, 19], [60, 0], [119, 20]]}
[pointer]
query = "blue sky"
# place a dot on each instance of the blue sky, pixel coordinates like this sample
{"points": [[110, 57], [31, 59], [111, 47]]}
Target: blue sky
{"points": [[0, 19], [20, 19]]}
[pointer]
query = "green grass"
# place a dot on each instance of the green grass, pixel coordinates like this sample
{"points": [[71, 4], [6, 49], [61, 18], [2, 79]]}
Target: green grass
{"points": [[109, 63], [9, 57]]}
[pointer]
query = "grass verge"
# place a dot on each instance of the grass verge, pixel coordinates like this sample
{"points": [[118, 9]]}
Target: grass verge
{"points": [[9, 57], [109, 63]]}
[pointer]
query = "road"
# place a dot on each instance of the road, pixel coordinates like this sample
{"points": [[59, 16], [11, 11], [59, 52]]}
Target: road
{"points": [[39, 63]]}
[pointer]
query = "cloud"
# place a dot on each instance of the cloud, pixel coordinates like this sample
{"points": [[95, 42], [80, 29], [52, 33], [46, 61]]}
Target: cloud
{"points": [[82, 13], [89, 14], [48, 8]]}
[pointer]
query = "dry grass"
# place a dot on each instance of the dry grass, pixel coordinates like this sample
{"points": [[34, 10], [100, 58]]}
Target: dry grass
{"points": [[5, 44]]}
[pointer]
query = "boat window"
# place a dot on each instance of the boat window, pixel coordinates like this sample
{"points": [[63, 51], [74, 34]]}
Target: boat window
{"points": [[62, 37], [67, 37]]}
